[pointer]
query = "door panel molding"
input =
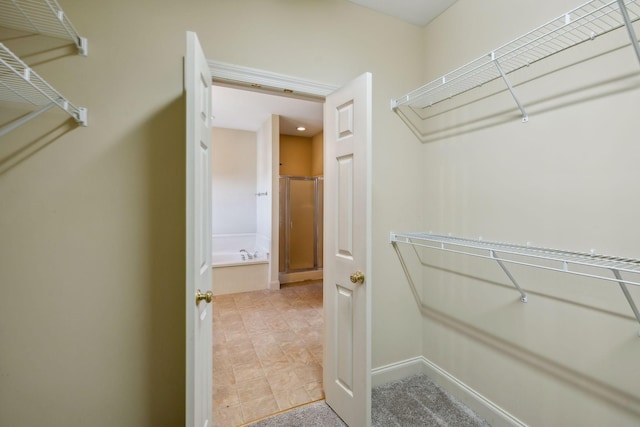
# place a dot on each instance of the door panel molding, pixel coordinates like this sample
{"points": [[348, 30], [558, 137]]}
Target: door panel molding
{"points": [[347, 299], [199, 336]]}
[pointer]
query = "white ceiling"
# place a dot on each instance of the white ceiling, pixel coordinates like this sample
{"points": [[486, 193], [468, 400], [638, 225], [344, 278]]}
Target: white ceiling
{"points": [[247, 110], [418, 12]]}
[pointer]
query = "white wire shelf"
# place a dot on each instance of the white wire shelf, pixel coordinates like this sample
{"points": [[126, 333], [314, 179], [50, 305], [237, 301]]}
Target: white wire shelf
{"points": [[603, 267], [19, 83], [44, 17], [579, 25]]}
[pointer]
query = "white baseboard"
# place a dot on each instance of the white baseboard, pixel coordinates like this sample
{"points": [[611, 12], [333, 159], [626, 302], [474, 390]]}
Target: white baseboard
{"points": [[397, 371], [492, 413]]}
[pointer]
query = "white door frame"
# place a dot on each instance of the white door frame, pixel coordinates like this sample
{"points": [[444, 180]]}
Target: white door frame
{"points": [[268, 81]]}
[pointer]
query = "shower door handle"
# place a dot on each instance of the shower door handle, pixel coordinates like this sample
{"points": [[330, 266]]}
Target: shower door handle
{"points": [[357, 277]]}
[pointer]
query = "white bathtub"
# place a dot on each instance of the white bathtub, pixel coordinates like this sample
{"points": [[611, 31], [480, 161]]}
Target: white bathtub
{"points": [[232, 274], [232, 259]]}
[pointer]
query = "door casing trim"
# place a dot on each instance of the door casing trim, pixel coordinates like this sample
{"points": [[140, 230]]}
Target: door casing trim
{"points": [[268, 81]]}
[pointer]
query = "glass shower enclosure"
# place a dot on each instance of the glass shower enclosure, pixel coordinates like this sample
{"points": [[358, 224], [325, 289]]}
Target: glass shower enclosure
{"points": [[301, 204]]}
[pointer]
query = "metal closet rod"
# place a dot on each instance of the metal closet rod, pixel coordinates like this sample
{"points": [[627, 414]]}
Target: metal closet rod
{"points": [[531, 256]]}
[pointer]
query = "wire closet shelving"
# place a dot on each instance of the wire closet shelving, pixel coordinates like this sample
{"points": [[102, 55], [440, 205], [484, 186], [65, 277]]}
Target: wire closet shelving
{"points": [[603, 267], [579, 25], [18, 82]]}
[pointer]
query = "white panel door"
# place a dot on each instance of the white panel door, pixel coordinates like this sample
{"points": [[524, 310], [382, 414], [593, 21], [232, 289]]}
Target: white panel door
{"points": [[198, 237], [347, 216]]}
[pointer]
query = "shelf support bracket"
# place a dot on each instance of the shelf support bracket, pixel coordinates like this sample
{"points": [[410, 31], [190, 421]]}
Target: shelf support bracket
{"points": [[632, 33], [523, 296], [525, 117], [627, 295]]}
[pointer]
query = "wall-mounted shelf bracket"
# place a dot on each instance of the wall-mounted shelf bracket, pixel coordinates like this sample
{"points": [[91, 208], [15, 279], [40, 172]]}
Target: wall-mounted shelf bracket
{"points": [[577, 263], [627, 295], [525, 117], [523, 296], [628, 24], [83, 46]]}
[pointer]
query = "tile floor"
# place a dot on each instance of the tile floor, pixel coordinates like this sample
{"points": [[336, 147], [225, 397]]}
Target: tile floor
{"points": [[267, 352]]}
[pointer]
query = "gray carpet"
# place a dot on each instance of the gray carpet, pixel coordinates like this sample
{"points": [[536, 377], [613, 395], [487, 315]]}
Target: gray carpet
{"points": [[417, 401], [412, 402], [311, 415]]}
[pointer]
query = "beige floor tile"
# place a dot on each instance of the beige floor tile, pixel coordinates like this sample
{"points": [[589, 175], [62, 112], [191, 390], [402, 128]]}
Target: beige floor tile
{"points": [[300, 355], [247, 372], [291, 397], [259, 408], [315, 390], [225, 395], [245, 357], [267, 352], [222, 362], [253, 389], [265, 348], [283, 379], [263, 340], [308, 372], [228, 416], [277, 324], [285, 337], [224, 377], [238, 346]]}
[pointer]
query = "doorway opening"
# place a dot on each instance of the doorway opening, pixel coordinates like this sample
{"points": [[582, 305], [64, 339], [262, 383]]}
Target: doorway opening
{"points": [[267, 340]]}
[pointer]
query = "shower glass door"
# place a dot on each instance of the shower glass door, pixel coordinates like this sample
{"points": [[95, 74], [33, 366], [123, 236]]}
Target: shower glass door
{"points": [[300, 223]]}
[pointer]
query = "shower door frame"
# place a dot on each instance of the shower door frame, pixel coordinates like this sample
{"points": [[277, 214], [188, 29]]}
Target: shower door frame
{"points": [[287, 224]]}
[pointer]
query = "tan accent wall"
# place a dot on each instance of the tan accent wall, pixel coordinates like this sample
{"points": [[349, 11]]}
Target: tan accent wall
{"points": [[317, 159], [295, 155]]}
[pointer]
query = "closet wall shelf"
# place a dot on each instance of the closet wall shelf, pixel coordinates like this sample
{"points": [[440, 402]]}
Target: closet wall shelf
{"points": [[581, 24], [18, 82], [44, 17], [604, 267]]}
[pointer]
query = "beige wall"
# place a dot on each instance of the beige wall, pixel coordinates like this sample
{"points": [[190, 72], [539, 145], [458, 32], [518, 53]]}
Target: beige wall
{"points": [[91, 255], [234, 181], [268, 207], [92, 219], [563, 180]]}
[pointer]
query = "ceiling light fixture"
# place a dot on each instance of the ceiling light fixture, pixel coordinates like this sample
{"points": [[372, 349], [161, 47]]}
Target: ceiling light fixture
{"points": [[301, 128]]}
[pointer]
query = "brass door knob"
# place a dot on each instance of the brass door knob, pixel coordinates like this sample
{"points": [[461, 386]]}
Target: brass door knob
{"points": [[207, 296], [357, 277]]}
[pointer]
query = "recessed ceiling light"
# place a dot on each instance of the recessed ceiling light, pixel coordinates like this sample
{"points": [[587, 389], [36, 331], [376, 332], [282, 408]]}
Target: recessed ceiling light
{"points": [[301, 128]]}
